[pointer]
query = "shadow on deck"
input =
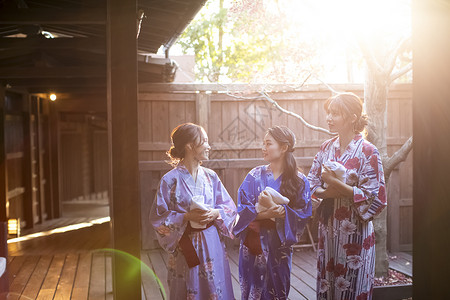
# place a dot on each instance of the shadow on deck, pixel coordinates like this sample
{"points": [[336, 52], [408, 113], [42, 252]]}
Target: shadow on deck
{"points": [[71, 265]]}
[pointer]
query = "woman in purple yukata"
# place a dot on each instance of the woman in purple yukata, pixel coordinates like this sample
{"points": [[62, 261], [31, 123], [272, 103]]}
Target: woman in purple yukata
{"points": [[346, 255], [265, 253], [191, 214]]}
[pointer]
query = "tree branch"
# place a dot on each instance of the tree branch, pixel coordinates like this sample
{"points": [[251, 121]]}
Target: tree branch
{"points": [[370, 58], [399, 156], [290, 113], [400, 72], [398, 50]]}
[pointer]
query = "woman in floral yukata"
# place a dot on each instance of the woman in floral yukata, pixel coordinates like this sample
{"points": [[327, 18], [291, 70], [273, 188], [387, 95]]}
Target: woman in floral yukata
{"points": [[192, 233], [346, 255], [265, 252]]}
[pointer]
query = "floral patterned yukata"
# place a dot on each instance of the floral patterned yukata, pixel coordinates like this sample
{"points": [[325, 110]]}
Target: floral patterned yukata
{"points": [[267, 275], [346, 255], [212, 278]]}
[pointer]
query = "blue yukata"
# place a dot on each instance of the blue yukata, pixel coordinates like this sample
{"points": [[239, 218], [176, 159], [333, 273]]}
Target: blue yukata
{"points": [[211, 278], [267, 275]]}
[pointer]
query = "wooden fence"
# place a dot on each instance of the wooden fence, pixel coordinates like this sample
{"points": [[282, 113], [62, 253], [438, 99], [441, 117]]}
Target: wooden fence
{"points": [[236, 119]]}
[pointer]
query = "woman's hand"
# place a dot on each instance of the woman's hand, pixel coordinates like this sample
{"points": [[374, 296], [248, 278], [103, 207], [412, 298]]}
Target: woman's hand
{"points": [[202, 216], [163, 230], [276, 211], [328, 176]]}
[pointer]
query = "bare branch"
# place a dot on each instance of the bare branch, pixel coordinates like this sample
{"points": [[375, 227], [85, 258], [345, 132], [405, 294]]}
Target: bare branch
{"points": [[326, 84], [290, 113], [400, 72], [401, 47], [399, 156], [370, 58]]}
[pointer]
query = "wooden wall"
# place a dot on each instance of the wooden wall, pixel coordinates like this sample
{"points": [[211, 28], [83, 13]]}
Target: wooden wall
{"points": [[27, 162], [236, 121], [84, 157]]}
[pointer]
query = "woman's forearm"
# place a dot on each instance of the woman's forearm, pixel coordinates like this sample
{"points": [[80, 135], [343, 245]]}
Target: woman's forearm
{"points": [[342, 188]]}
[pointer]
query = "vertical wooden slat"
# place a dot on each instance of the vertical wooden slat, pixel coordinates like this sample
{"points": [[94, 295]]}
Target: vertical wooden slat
{"points": [[55, 162], [38, 157], [29, 196], [202, 105], [123, 146]]}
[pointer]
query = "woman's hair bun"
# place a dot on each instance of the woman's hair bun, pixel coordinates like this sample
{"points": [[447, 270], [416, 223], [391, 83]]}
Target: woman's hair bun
{"points": [[361, 123]]}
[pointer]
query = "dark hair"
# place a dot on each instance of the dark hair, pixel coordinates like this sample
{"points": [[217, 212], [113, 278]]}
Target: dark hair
{"points": [[291, 183], [181, 136], [349, 104]]}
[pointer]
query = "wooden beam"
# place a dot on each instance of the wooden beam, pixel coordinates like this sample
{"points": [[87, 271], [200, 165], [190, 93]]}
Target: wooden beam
{"points": [[29, 195], [33, 16], [52, 72], [431, 163], [53, 44], [123, 147]]}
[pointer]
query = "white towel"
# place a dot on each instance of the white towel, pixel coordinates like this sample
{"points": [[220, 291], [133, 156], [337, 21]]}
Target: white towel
{"points": [[277, 198], [198, 202], [337, 168]]}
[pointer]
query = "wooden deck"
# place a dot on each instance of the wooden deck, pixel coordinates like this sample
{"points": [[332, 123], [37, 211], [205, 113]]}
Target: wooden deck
{"points": [[71, 265]]}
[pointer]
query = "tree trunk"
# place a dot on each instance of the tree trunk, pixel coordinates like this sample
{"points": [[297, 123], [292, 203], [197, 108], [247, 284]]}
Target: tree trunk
{"points": [[375, 96]]}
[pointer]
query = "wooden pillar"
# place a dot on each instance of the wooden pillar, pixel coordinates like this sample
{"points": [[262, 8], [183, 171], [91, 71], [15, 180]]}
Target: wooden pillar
{"points": [[431, 160], [28, 195], [202, 105], [4, 286], [55, 161], [123, 146]]}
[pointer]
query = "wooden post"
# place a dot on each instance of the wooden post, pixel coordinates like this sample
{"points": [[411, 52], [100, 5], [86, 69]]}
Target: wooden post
{"points": [[202, 105], [123, 146], [4, 286], [28, 195], [431, 161], [55, 161]]}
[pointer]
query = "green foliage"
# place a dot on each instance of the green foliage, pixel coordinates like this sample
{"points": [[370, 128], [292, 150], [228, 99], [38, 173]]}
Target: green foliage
{"points": [[245, 41]]}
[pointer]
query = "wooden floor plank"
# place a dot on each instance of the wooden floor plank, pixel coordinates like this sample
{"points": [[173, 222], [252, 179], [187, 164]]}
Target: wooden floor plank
{"points": [[82, 277], [15, 266], [159, 267], [37, 278], [97, 282], [150, 286], [108, 275], [66, 282], [51, 280], [20, 281], [233, 258]]}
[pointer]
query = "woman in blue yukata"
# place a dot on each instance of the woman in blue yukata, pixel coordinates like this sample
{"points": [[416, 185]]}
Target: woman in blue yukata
{"points": [[346, 255], [191, 214], [266, 228]]}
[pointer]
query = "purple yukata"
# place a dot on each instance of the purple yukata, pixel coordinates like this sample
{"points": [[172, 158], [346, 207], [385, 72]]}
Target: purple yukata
{"points": [[346, 255], [267, 275], [211, 279]]}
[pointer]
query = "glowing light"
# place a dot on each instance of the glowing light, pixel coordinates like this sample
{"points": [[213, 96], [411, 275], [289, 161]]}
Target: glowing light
{"points": [[52, 97], [59, 230], [147, 272]]}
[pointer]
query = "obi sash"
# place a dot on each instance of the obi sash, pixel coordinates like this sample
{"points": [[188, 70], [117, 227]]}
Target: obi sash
{"points": [[253, 240], [187, 247]]}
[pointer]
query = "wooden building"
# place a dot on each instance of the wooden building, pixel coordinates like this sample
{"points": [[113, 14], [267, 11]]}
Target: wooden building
{"points": [[91, 55]]}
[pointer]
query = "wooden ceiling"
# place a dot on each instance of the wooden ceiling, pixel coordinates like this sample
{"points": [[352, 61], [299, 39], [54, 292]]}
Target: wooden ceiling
{"points": [[60, 45]]}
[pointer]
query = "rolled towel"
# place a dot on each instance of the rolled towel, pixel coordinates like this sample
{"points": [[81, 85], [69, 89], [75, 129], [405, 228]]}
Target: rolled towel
{"points": [[337, 168], [198, 202], [272, 198]]}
